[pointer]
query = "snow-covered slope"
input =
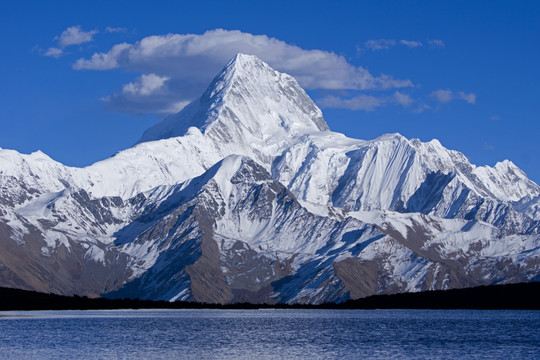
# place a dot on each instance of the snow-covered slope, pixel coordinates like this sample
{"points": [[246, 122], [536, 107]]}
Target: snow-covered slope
{"points": [[246, 195], [248, 103], [394, 173]]}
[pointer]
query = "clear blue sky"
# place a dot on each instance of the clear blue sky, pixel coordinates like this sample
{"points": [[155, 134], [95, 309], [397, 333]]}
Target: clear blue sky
{"points": [[464, 72]]}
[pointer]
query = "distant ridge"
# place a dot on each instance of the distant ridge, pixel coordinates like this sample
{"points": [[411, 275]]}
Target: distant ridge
{"points": [[522, 296]]}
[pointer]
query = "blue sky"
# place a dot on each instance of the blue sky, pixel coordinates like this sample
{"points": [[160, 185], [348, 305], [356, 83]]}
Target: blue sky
{"points": [[82, 81]]}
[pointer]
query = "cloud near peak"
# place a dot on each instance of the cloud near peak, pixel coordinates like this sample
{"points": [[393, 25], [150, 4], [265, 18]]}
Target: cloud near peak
{"points": [[366, 102], [380, 44], [411, 43], [385, 44], [436, 43], [145, 85], [111, 29], [444, 96], [53, 52], [73, 35], [190, 61]]}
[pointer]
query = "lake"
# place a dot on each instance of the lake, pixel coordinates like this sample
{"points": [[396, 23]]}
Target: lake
{"points": [[270, 334]]}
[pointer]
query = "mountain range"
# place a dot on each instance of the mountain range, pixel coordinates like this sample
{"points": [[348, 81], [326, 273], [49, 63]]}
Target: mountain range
{"points": [[246, 195]]}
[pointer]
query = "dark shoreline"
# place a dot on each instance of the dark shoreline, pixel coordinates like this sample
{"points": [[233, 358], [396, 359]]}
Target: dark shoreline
{"points": [[525, 296]]}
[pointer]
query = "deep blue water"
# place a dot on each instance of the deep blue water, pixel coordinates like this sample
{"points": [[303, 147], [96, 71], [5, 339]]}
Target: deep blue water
{"points": [[270, 334]]}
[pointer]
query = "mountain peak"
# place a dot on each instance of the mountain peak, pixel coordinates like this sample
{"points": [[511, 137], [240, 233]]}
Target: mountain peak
{"points": [[241, 60], [245, 65], [247, 103]]}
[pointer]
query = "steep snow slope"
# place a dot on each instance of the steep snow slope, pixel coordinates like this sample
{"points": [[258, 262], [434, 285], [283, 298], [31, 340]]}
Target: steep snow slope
{"points": [[248, 103], [243, 229], [394, 173]]}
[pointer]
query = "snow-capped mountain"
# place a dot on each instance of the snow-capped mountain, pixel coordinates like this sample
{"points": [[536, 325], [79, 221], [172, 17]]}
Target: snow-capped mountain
{"points": [[246, 195]]}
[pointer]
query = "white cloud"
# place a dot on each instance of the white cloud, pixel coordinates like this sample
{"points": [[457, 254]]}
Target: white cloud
{"points": [[190, 61], [411, 43], [175, 107], [380, 44], [436, 43], [110, 29], [359, 102], [145, 85], [53, 52], [103, 61], [443, 96], [148, 93], [446, 95], [402, 99], [470, 98], [74, 35], [495, 118], [365, 102], [421, 108], [385, 44]]}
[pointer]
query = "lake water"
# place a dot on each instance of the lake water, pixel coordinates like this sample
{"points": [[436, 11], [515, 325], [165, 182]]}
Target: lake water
{"points": [[270, 334]]}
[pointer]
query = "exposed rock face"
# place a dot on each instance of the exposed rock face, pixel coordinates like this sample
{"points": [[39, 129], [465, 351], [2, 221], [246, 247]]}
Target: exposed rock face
{"points": [[247, 196]]}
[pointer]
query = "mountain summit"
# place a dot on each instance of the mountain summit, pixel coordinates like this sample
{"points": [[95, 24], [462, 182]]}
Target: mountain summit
{"points": [[246, 196], [247, 102]]}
